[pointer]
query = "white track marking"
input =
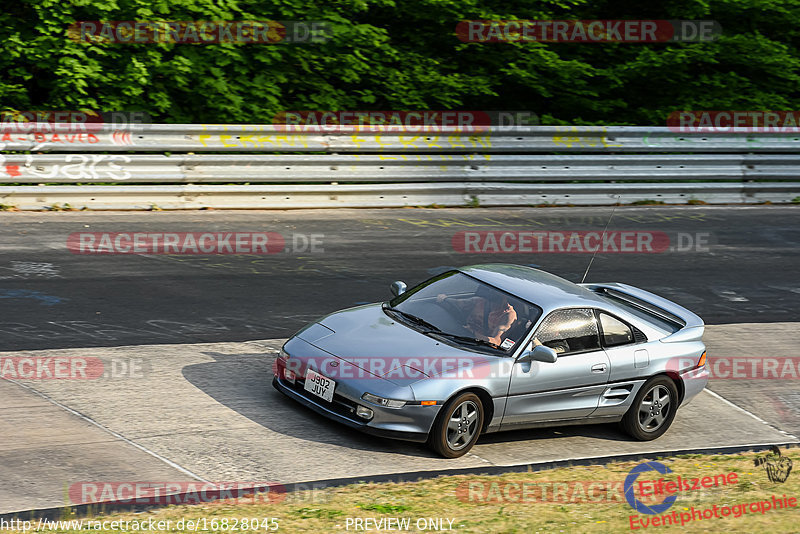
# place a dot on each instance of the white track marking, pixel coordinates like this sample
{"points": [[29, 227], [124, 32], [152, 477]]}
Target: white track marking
{"points": [[473, 455], [754, 416], [108, 430], [729, 294]]}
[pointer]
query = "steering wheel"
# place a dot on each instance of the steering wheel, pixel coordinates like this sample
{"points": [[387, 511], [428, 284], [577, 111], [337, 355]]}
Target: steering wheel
{"points": [[458, 317], [450, 308]]}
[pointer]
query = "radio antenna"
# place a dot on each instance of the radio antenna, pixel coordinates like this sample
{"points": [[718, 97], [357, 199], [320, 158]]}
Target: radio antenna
{"points": [[602, 237]]}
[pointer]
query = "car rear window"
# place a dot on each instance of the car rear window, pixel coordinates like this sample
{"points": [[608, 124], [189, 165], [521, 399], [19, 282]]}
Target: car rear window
{"points": [[643, 312]]}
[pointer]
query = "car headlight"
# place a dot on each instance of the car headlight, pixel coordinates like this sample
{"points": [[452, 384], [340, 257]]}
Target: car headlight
{"points": [[288, 374], [380, 401]]}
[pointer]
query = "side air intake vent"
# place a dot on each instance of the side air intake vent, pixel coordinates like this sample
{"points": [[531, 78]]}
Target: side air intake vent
{"points": [[638, 335]]}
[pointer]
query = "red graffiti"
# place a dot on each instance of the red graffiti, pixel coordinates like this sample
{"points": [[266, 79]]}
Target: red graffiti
{"points": [[40, 137]]}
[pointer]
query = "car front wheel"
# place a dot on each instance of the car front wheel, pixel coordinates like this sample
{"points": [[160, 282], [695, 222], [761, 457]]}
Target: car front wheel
{"points": [[653, 409], [457, 428]]}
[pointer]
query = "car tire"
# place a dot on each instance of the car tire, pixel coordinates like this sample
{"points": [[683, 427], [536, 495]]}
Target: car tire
{"points": [[653, 409], [458, 426]]}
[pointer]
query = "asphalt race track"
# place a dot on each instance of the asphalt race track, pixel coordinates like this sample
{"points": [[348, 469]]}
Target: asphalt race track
{"points": [[187, 341], [55, 299]]}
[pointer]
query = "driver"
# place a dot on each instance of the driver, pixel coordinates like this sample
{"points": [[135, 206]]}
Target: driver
{"points": [[489, 317], [553, 339]]}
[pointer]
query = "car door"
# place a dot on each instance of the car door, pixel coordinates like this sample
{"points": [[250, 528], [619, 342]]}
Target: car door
{"points": [[569, 388], [627, 350]]}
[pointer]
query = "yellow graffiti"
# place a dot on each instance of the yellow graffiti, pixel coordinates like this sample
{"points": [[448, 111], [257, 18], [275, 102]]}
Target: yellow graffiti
{"points": [[448, 222], [251, 138], [481, 141], [582, 141], [455, 141], [256, 141]]}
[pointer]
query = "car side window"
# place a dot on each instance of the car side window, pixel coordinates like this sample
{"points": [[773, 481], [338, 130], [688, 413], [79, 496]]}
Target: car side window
{"points": [[615, 332], [568, 331]]}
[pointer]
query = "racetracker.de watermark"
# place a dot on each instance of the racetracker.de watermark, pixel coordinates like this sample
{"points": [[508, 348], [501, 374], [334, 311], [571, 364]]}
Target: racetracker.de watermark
{"points": [[587, 31], [760, 121], [545, 491], [741, 367], [71, 368], [203, 32], [577, 242], [192, 243], [162, 493], [391, 367], [47, 121], [419, 121], [651, 492]]}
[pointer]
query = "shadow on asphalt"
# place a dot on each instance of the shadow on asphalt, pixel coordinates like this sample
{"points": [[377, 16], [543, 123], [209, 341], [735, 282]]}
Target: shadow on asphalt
{"points": [[243, 383]]}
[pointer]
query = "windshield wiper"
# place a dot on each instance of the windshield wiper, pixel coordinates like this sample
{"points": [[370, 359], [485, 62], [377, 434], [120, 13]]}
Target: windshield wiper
{"points": [[469, 340], [416, 320], [432, 329]]}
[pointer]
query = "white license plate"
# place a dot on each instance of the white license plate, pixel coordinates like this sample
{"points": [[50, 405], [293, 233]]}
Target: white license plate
{"points": [[319, 385]]}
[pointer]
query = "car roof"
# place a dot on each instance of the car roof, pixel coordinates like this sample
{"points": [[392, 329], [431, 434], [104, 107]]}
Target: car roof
{"points": [[546, 290]]}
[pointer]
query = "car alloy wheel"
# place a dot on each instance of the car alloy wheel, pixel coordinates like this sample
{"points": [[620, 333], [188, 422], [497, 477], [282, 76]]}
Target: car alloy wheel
{"points": [[462, 425], [458, 426], [653, 409]]}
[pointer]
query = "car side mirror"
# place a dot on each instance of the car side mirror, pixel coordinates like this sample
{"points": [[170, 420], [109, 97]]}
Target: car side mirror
{"points": [[540, 353], [398, 288]]}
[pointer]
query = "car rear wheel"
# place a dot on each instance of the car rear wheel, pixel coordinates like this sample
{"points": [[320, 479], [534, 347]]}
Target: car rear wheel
{"points": [[458, 426], [653, 409]]}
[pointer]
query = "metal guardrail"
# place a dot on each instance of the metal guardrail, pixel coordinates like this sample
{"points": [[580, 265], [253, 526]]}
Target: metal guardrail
{"points": [[270, 196], [207, 168], [277, 138], [357, 168]]}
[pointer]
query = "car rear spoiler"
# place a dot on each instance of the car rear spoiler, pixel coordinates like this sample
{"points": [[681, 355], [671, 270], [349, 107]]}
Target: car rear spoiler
{"points": [[691, 325]]}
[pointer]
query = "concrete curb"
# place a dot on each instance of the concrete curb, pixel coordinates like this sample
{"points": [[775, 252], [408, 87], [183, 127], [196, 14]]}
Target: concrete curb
{"points": [[82, 510]]}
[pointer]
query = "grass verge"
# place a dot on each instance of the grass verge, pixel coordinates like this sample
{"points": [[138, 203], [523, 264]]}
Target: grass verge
{"points": [[572, 499]]}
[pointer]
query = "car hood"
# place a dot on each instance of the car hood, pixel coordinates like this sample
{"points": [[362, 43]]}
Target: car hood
{"points": [[371, 340]]}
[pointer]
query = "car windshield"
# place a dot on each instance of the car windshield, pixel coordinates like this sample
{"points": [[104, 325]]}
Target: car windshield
{"points": [[466, 311]]}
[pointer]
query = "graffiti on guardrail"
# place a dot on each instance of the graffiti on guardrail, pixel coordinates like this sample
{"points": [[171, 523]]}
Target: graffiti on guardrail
{"points": [[420, 121], [421, 142], [578, 137], [104, 167], [41, 138], [249, 138], [253, 140]]}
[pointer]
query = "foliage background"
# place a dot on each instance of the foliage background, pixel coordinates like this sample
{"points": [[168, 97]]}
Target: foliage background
{"points": [[401, 55]]}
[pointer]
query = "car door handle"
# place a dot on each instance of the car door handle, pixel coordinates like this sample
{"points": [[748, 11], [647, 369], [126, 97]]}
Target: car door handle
{"points": [[599, 368]]}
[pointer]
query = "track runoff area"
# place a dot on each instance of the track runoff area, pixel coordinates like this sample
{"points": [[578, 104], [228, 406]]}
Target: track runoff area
{"points": [[154, 398]]}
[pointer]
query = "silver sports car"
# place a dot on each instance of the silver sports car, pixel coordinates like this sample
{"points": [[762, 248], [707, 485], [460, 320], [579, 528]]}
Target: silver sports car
{"points": [[498, 347]]}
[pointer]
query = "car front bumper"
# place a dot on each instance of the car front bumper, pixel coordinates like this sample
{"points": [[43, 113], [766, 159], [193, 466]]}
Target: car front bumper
{"points": [[418, 419]]}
